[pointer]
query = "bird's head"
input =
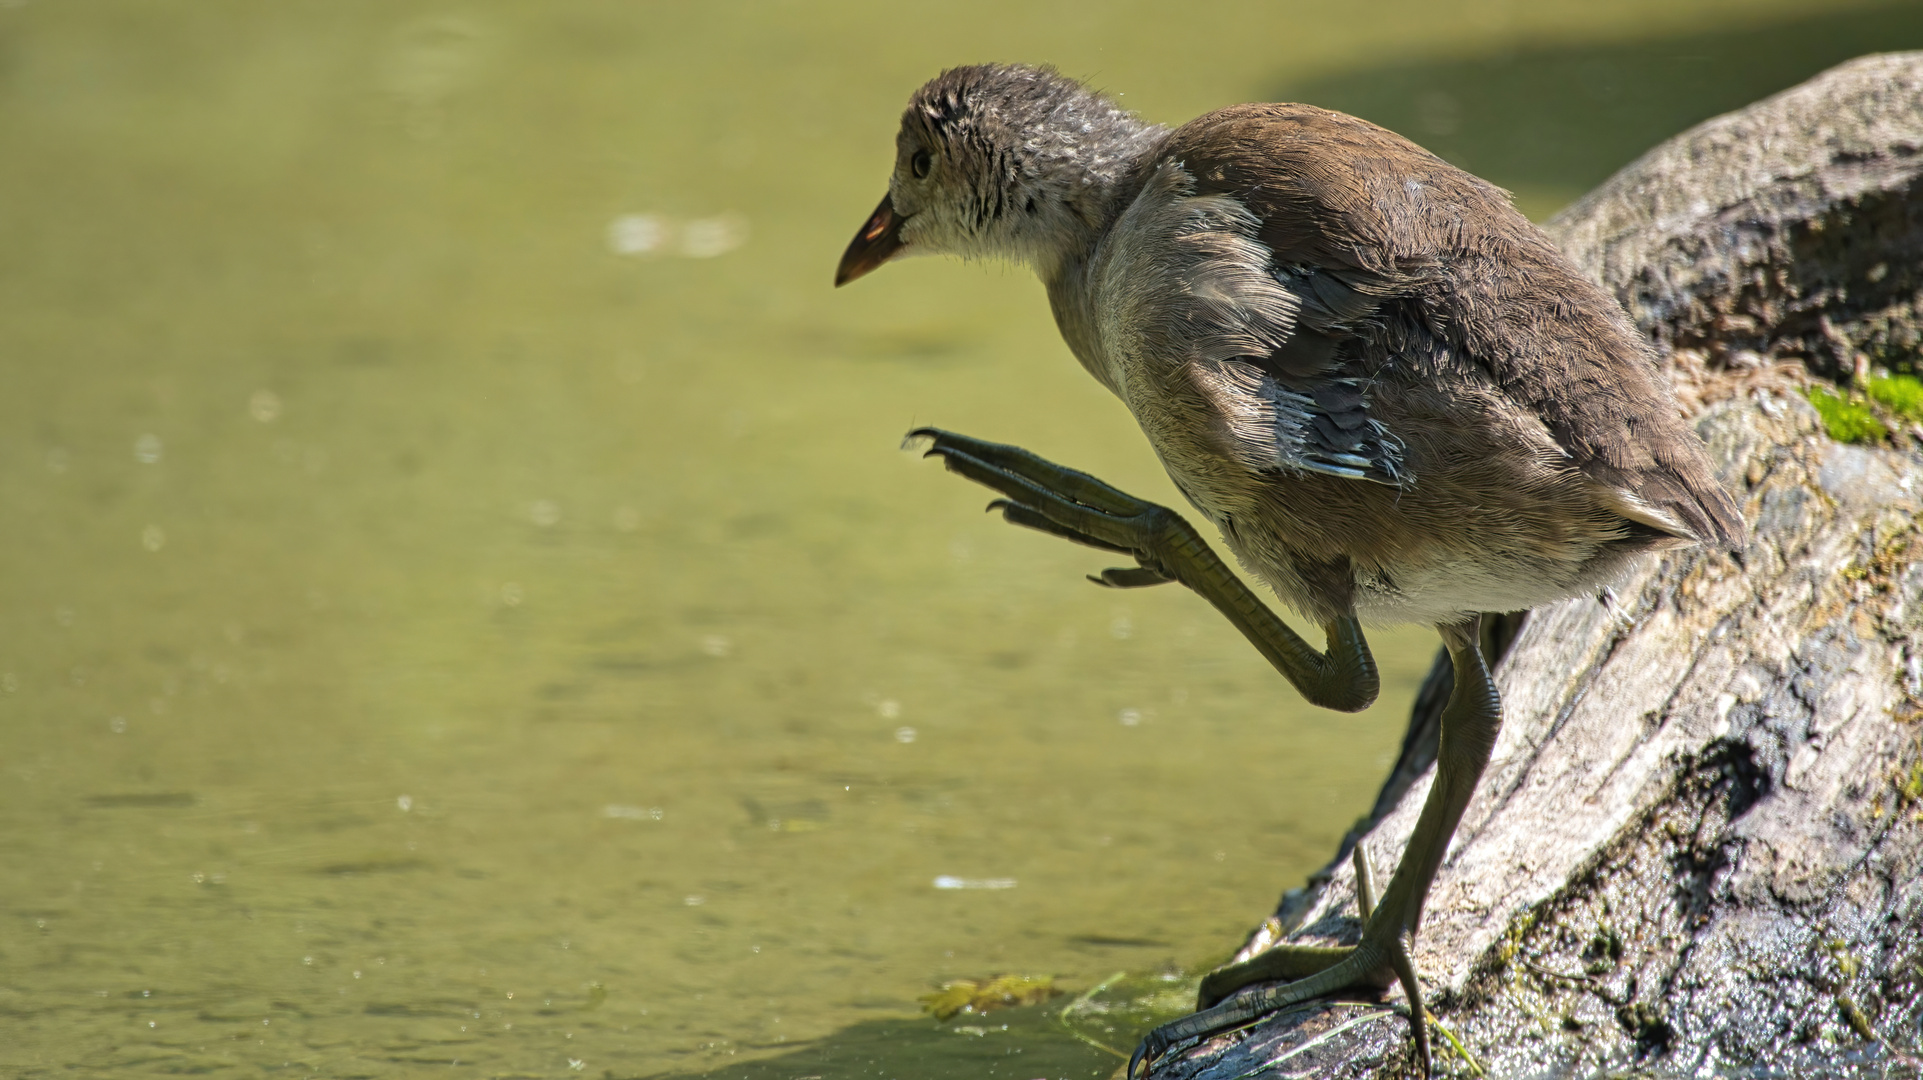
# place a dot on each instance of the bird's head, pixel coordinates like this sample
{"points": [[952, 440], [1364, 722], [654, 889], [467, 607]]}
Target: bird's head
{"points": [[999, 161]]}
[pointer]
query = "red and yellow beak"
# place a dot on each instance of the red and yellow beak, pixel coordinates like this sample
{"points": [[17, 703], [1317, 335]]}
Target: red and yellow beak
{"points": [[876, 243]]}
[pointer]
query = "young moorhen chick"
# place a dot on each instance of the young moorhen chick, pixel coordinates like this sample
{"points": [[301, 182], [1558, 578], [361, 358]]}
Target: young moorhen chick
{"points": [[1386, 388]]}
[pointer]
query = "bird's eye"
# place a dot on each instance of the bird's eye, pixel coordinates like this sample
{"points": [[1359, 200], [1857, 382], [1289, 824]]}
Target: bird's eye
{"points": [[920, 164]]}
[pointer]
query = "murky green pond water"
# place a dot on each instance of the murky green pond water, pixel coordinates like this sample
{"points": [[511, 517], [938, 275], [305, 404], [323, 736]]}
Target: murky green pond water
{"points": [[463, 607]]}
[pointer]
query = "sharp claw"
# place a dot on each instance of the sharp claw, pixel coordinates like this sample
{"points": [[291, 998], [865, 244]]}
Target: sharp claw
{"points": [[1149, 1051], [1132, 577]]}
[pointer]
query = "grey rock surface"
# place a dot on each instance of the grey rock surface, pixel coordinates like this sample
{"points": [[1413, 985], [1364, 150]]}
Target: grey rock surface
{"points": [[1790, 228]]}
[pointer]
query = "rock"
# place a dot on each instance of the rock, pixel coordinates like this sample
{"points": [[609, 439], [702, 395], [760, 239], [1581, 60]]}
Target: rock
{"points": [[1790, 228]]}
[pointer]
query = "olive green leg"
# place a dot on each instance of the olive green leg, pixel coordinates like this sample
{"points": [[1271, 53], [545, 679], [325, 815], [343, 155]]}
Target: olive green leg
{"points": [[1470, 723], [1075, 506]]}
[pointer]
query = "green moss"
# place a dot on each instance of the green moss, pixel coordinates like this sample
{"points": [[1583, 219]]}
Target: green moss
{"points": [[986, 995], [1854, 1017], [1847, 421], [1901, 394], [1518, 931], [1910, 788], [1605, 951]]}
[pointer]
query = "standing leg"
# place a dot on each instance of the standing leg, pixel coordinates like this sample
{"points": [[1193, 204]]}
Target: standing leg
{"points": [[1470, 724]]}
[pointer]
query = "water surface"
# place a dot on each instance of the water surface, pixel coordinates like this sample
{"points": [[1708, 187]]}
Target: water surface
{"points": [[463, 604]]}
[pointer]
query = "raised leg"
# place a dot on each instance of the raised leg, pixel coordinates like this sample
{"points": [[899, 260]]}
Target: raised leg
{"points": [[1075, 506], [1470, 723], [1042, 495]]}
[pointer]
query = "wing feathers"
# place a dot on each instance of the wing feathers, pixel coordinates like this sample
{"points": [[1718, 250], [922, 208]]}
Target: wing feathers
{"points": [[1405, 262]]}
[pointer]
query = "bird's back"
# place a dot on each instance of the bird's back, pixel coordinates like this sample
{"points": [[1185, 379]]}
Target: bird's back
{"points": [[1421, 354]]}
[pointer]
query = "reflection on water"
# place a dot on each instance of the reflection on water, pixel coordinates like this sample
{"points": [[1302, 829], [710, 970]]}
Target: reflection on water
{"points": [[1551, 121], [462, 604]]}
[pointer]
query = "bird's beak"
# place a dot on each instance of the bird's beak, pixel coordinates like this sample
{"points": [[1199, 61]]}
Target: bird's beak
{"points": [[876, 243]]}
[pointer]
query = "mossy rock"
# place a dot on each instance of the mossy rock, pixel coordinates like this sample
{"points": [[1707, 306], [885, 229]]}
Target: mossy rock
{"points": [[1901, 394], [1847, 421]]}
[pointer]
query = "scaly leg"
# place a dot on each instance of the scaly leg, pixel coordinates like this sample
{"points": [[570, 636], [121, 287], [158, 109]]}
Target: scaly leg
{"points": [[1075, 506], [1470, 723]]}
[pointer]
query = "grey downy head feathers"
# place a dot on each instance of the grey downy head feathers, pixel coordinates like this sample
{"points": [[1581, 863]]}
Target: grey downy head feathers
{"points": [[1002, 162]]}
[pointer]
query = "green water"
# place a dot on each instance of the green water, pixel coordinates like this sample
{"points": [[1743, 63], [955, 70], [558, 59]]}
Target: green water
{"points": [[462, 608]]}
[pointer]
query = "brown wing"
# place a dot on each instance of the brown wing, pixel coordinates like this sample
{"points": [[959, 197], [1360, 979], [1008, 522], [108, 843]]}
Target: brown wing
{"points": [[1407, 260]]}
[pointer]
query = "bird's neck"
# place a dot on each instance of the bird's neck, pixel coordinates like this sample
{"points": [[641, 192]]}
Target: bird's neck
{"points": [[1072, 303], [1077, 177]]}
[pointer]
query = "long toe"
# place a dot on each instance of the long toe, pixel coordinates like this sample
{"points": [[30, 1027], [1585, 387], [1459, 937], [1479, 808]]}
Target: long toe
{"points": [[1198, 1025], [1369, 966], [1041, 504], [1029, 518], [1060, 480], [1285, 962]]}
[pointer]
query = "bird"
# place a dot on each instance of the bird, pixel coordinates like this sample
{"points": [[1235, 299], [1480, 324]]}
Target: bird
{"points": [[1385, 389]]}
